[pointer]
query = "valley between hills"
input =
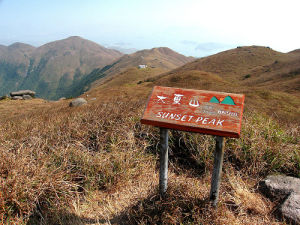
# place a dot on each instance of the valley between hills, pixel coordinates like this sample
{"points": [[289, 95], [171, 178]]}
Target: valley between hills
{"points": [[96, 164]]}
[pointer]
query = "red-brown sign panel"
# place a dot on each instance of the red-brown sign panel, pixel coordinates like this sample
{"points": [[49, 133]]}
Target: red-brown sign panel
{"points": [[206, 112]]}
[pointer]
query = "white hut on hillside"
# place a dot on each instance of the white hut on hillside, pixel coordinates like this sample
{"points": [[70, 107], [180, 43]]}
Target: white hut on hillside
{"points": [[142, 66]]}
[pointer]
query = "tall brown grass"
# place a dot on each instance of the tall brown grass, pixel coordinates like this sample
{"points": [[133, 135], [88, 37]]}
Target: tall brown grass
{"points": [[54, 156]]}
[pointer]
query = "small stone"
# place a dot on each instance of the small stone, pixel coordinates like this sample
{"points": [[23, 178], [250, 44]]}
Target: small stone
{"points": [[27, 97], [291, 208], [77, 102], [279, 186], [62, 98], [17, 98], [284, 188]]}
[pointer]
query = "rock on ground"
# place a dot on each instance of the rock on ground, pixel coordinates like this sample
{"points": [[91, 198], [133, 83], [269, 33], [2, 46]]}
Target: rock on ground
{"points": [[27, 97], [279, 186], [77, 102], [287, 189], [291, 207]]}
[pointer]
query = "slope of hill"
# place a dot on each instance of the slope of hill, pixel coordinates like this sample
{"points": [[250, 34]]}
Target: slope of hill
{"points": [[158, 60], [52, 68], [235, 63], [282, 75], [14, 63]]}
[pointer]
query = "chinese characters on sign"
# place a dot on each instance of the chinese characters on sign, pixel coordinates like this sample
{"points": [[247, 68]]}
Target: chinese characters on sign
{"points": [[177, 98], [208, 112]]}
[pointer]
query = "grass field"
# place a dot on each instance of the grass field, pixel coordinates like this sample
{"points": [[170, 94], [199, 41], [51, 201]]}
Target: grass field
{"points": [[98, 165]]}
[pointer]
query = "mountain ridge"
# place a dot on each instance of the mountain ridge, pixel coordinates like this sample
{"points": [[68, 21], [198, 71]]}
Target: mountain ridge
{"points": [[52, 67], [69, 66]]}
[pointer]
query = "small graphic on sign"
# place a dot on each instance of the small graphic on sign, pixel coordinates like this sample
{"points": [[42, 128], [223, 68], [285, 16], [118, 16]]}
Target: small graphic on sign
{"points": [[161, 98], [194, 103], [228, 101], [177, 98], [214, 100]]}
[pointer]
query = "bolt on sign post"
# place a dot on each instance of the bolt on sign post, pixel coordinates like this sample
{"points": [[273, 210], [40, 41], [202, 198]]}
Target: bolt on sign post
{"points": [[200, 111]]}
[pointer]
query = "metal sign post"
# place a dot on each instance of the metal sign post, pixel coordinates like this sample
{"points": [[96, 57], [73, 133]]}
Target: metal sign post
{"points": [[217, 171], [163, 158]]}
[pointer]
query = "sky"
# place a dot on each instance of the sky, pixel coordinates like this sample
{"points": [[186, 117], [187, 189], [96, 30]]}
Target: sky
{"points": [[191, 27]]}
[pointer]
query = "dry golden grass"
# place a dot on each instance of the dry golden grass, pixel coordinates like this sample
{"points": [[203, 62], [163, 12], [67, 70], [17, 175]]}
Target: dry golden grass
{"points": [[10, 108], [97, 165]]}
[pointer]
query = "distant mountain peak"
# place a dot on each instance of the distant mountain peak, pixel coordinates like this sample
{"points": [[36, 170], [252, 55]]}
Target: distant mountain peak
{"points": [[20, 45], [158, 50], [71, 39], [165, 51], [162, 49], [75, 37]]}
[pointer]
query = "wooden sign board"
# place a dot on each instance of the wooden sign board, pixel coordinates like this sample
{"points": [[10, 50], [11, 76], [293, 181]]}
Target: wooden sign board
{"points": [[207, 112]]}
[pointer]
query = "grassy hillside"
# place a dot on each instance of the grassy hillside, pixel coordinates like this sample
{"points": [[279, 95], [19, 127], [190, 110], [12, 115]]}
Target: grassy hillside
{"points": [[97, 164], [280, 75], [252, 66], [236, 63], [158, 60]]}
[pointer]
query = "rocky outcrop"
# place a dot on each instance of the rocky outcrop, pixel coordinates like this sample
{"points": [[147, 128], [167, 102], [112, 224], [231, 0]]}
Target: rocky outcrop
{"points": [[77, 102], [286, 189], [22, 92]]}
